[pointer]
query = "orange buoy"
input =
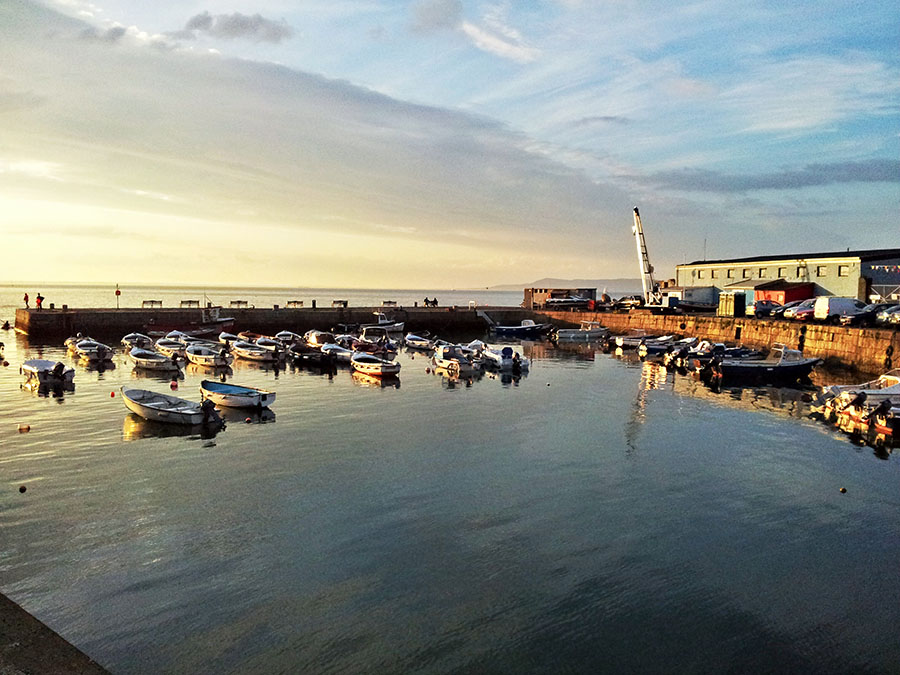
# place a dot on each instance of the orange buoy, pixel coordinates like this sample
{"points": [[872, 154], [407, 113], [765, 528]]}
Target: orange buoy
{"points": [[112, 394], [173, 385], [248, 420], [24, 428]]}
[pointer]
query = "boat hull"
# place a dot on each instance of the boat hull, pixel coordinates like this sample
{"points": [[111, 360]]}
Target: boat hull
{"points": [[163, 408], [236, 396]]}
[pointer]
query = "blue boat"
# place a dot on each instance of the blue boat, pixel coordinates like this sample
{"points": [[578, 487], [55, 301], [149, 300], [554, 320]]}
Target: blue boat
{"points": [[235, 395]]}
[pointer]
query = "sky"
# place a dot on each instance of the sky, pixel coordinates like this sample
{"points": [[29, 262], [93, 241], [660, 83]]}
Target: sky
{"points": [[439, 143]]}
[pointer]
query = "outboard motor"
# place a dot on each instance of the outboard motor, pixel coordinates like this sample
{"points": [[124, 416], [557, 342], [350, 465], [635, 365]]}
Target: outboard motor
{"points": [[210, 414], [58, 370]]}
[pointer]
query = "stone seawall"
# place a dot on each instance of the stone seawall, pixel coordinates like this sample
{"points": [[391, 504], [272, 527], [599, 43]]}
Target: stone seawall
{"points": [[869, 350]]}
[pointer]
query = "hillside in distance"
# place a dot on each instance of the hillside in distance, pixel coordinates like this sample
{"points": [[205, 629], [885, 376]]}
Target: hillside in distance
{"points": [[612, 286]]}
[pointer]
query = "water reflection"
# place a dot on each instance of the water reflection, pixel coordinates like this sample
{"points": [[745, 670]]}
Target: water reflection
{"points": [[451, 379], [221, 373], [247, 415], [370, 381], [135, 427], [156, 375], [45, 390]]}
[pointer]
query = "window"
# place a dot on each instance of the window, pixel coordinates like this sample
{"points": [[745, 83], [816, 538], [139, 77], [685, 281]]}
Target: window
{"points": [[843, 270], [730, 274], [699, 274], [714, 274], [821, 271], [782, 272], [763, 272], [747, 273], [801, 271]]}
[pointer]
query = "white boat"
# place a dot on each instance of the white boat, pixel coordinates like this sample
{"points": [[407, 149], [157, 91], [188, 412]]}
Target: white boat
{"points": [[75, 339], [414, 341], [250, 351], [270, 344], [587, 331], [165, 408], [204, 355], [150, 360], [505, 359], [453, 359], [886, 386], [170, 347], [91, 350], [341, 354], [137, 340], [369, 364], [45, 371], [288, 338], [235, 395], [318, 338], [382, 321], [640, 337], [227, 338]]}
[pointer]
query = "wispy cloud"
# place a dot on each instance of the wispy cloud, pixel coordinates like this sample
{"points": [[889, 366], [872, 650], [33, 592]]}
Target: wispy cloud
{"points": [[236, 25], [869, 171], [431, 15]]}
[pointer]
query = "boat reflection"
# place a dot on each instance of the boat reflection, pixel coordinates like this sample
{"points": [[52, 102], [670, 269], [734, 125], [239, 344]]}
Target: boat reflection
{"points": [[274, 367], [451, 379], [135, 427], [156, 375], [49, 390], [247, 415], [219, 372], [385, 382], [96, 366]]}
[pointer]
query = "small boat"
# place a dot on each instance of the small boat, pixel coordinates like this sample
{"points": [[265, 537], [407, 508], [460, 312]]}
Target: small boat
{"points": [[204, 355], [505, 359], [382, 321], [137, 340], [527, 329], [249, 336], [271, 344], [235, 395], [150, 360], [375, 340], [227, 338], [252, 352], [75, 339], [91, 350], [781, 367], [340, 354], [369, 364], [318, 338], [638, 338], [165, 408], [587, 331], [170, 347], [286, 337], [414, 341], [453, 358], [883, 387], [47, 372]]}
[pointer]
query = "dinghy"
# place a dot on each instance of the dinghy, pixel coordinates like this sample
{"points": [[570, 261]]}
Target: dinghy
{"points": [[454, 360], [340, 354], [170, 409], [170, 347], [91, 350], [137, 340], [505, 359], [414, 341], [148, 360], [44, 371], [251, 352], [235, 395], [204, 355], [369, 364]]}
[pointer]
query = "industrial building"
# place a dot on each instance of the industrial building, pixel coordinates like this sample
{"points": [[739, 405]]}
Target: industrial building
{"points": [[868, 275]]}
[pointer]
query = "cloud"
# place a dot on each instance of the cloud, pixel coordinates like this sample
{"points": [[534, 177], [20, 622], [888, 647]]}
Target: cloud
{"points": [[599, 120], [506, 45], [869, 171], [109, 36], [431, 15], [236, 25]]}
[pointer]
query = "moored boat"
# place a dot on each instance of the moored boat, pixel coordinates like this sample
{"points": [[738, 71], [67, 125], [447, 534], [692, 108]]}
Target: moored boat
{"points": [[586, 331], [782, 366], [453, 358], [137, 340], [382, 321], [369, 364], [204, 355], [505, 359], [527, 329], [91, 350], [339, 353], [414, 341], [170, 347], [235, 395], [250, 351], [151, 360], [159, 407], [47, 372]]}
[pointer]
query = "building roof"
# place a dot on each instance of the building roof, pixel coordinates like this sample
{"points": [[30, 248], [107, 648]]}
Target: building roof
{"points": [[864, 255]]}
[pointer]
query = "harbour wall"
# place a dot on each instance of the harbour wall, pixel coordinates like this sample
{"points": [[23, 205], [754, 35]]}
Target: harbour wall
{"points": [[867, 350]]}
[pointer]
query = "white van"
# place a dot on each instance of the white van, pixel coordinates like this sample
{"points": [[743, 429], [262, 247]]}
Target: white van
{"points": [[829, 308]]}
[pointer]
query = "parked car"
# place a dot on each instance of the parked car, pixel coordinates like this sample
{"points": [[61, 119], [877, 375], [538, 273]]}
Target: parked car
{"points": [[804, 314], [884, 317], [629, 301], [829, 308], [778, 312], [761, 308], [866, 316], [805, 304]]}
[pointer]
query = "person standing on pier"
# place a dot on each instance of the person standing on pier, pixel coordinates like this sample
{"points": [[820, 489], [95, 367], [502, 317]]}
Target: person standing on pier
{"points": [[26, 300], [39, 301]]}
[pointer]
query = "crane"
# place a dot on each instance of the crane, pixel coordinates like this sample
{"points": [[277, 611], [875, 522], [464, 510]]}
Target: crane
{"points": [[652, 296]]}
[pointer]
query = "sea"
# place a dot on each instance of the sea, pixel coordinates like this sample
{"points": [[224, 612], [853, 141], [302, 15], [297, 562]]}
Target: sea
{"points": [[594, 515]]}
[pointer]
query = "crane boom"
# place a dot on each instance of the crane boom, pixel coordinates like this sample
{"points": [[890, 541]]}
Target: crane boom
{"points": [[650, 289]]}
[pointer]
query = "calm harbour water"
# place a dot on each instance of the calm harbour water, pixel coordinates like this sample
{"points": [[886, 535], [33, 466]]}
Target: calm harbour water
{"points": [[595, 516]]}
